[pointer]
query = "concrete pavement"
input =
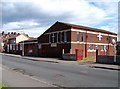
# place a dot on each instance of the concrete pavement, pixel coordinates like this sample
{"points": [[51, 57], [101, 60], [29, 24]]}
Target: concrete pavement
{"points": [[55, 60], [16, 79]]}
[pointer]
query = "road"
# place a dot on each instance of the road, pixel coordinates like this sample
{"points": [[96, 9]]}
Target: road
{"points": [[60, 75]]}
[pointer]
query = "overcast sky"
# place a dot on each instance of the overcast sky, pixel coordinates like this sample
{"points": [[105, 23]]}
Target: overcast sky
{"points": [[35, 16]]}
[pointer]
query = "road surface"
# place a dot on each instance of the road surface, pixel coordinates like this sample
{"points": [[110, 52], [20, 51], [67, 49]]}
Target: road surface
{"points": [[60, 75]]}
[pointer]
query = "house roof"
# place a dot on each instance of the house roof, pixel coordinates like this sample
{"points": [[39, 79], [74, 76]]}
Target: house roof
{"points": [[13, 36], [31, 39], [58, 24], [87, 28]]}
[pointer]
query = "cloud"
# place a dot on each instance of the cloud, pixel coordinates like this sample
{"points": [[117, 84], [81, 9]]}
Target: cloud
{"points": [[20, 25], [43, 13]]}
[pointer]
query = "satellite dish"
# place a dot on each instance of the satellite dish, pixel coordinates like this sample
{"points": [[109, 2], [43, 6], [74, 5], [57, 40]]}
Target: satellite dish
{"points": [[113, 41]]}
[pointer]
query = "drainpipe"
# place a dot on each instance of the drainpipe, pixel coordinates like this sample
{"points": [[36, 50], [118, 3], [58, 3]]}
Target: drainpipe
{"points": [[86, 45]]}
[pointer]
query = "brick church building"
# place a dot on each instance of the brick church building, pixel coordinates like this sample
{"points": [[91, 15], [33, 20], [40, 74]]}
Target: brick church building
{"points": [[66, 38]]}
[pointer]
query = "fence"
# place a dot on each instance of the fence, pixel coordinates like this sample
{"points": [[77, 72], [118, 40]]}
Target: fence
{"points": [[77, 56], [107, 59]]}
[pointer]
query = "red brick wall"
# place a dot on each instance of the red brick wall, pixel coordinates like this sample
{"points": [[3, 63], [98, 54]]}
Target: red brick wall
{"points": [[33, 47], [49, 51]]}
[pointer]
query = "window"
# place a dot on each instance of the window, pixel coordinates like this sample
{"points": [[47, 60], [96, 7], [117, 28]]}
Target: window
{"points": [[89, 47], [92, 47], [39, 46], [13, 47], [78, 36], [65, 37], [16, 46], [96, 47], [10, 47], [61, 37], [110, 39], [20, 46], [104, 47], [49, 38], [57, 37], [82, 36], [53, 36]]}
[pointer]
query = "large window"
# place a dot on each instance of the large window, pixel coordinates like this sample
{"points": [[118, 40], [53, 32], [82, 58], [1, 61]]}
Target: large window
{"points": [[89, 47], [65, 36], [7, 48], [53, 38], [104, 47], [13, 47], [57, 37], [93, 48], [49, 38], [16, 46], [10, 46], [82, 37], [21, 46], [78, 36], [61, 37]]}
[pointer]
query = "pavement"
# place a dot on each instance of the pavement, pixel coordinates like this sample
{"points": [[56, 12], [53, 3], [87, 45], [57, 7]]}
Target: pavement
{"points": [[92, 64], [15, 79]]}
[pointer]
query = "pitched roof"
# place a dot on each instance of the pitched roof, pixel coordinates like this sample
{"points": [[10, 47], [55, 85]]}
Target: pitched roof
{"points": [[31, 39], [87, 28]]}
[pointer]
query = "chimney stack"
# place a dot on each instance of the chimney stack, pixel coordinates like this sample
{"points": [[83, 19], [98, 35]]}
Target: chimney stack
{"points": [[14, 33], [3, 33]]}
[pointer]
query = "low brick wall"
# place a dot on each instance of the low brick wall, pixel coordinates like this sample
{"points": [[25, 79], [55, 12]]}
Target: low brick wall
{"points": [[108, 59], [69, 56]]}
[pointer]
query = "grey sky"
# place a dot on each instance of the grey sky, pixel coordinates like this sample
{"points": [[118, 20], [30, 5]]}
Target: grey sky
{"points": [[36, 16]]}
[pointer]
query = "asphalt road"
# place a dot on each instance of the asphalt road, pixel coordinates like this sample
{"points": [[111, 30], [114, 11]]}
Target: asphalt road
{"points": [[61, 75]]}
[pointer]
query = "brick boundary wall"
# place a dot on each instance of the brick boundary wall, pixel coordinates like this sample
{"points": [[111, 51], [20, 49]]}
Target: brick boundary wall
{"points": [[108, 59]]}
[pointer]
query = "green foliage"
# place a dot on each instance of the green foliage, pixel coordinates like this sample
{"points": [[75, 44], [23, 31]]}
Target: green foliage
{"points": [[87, 59], [3, 86]]}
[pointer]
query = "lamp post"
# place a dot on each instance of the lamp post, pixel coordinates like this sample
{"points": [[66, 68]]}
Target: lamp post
{"points": [[23, 49], [114, 43]]}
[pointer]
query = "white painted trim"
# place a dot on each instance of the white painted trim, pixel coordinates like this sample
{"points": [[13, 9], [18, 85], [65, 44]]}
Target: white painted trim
{"points": [[29, 42], [78, 43], [112, 35], [90, 43], [77, 30], [99, 43]]}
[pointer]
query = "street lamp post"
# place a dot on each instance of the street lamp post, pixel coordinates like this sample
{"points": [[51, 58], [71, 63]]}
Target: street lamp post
{"points": [[115, 53], [23, 49], [114, 43]]}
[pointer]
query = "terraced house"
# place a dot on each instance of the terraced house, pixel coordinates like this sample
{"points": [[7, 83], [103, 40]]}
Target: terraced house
{"points": [[68, 38]]}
